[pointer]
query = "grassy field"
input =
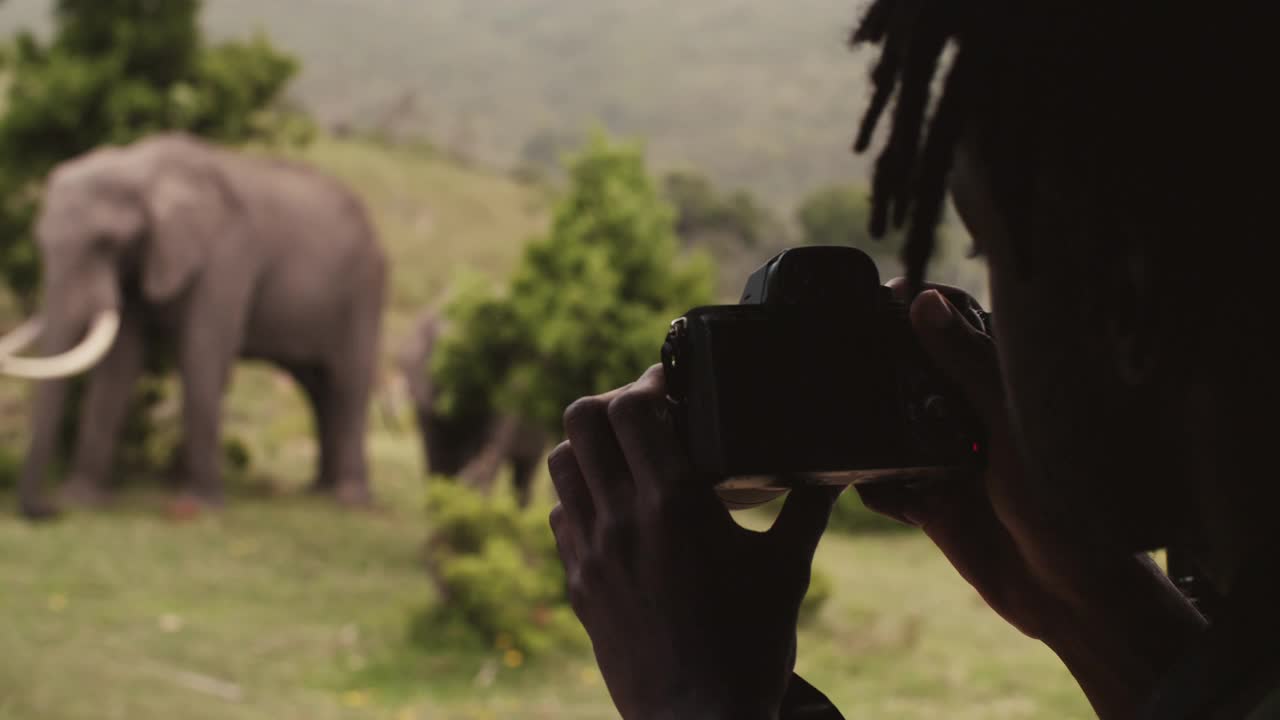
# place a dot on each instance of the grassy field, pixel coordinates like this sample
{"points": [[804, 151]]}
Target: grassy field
{"points": [[284, 607], [287, 608]]}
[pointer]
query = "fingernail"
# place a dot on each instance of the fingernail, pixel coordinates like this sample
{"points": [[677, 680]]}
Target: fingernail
{"points": [[937, 311]]}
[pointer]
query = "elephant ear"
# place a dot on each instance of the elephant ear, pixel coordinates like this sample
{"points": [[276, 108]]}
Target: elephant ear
{"points": [[188, 215]]}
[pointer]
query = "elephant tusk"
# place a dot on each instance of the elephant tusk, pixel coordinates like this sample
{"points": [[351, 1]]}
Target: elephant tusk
{"points": [[21, 337], [96, 344]]}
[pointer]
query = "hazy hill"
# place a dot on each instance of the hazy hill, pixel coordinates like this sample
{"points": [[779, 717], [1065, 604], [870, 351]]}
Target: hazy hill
{"points": [[759, 92]]}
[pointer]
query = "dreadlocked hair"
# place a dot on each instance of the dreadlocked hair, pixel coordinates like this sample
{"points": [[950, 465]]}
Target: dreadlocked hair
{"points": [[909, 181]]}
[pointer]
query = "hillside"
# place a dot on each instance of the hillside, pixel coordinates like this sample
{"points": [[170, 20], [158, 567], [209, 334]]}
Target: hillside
{"points": [[760, 93]]}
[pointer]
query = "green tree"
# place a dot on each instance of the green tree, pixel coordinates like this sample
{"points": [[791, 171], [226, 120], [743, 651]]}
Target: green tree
{"points": [[588, 305], [113, 71]]}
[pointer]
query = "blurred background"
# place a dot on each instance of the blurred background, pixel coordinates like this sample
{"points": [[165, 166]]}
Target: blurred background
{"points": [[551, 181]]}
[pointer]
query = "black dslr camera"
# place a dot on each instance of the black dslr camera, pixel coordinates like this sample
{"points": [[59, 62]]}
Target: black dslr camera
{"points": [[815, 378]]}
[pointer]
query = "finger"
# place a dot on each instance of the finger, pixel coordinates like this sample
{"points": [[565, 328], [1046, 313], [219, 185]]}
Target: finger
{"points": [[959, 297], [892, 501], [566, 539], [803, 519], [900, 288], [641, 422], [962, 351], [576, 511], [600, 459]]}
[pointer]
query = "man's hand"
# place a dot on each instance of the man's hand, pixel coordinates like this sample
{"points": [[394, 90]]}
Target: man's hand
{"points": [[1114, 619], [690, 615]]}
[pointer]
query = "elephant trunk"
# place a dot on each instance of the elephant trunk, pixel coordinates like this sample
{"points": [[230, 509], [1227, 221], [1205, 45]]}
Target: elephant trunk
{"points": [[21, 337], [72, 337], [48, 407], [46, 419]]}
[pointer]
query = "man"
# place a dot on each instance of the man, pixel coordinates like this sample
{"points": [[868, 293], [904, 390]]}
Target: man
{"points": [[1103, 156]]}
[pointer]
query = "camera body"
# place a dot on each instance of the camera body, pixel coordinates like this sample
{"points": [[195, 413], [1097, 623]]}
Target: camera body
{"points": [[816, 377]]}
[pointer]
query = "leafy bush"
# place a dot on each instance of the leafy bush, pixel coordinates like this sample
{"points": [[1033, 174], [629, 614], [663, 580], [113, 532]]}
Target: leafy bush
{"points": [[586, 308], [497, 572]]}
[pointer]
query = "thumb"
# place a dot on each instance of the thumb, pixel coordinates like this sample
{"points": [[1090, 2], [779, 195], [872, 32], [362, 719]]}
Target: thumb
{"points": [[803, 519], [964, 353]]}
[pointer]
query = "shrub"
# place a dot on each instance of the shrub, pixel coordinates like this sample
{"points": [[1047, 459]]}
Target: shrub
{"points": [[497, 572], [586, 308]]}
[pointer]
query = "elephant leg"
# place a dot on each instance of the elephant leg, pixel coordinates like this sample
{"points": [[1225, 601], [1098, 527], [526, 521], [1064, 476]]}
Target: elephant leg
{"points": [[342, 438], [205, 362], [106, 404], [349, 385], [315, 386], [347, 388]]}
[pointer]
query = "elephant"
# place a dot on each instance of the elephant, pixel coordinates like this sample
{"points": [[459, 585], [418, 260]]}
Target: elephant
{"points": [[472, 451], [220, 255]]}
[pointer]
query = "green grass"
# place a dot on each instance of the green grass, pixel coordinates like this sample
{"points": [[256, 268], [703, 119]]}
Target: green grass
{"points": [[904, 637], [284, 607]]}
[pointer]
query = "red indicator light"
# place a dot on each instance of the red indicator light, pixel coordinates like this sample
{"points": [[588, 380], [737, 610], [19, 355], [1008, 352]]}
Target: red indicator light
{"points": [[976, 450]]}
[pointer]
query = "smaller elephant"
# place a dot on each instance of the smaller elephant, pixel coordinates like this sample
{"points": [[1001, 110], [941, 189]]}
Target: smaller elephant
{"points": [[474, 451]]}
